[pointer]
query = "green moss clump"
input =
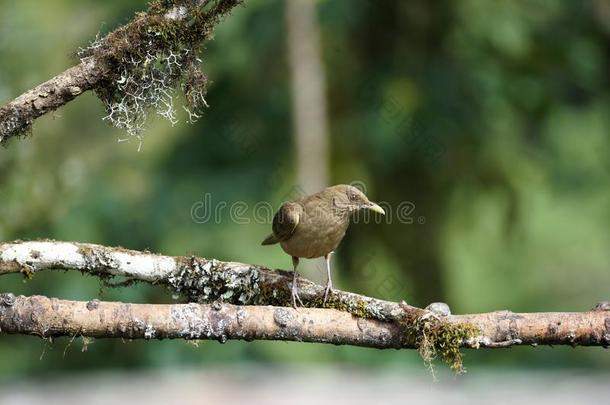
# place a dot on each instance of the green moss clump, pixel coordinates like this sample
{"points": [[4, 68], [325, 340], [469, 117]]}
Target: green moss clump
{"points": [[358, 308], [433, 336], [436, 338], [28, 273], [274, 295]]}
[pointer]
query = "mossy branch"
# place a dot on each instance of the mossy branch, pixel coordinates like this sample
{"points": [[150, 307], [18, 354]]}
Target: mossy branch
{"points": [[210, 284], [135, 69]]}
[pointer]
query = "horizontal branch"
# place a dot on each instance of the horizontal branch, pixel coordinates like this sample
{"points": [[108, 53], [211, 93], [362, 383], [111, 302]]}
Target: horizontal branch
{"points": [[507, 328], [252, 288], [49, 317]]}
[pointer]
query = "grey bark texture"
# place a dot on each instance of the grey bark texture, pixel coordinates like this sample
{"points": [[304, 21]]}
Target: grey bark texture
{"points": [[49, 317], [223, 293], [17, 116]]}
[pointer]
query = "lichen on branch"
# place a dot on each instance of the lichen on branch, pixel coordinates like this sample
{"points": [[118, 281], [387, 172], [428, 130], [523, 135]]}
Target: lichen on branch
{"points": [[211, 281], [434, 331], [139, 68], [154, 58]]}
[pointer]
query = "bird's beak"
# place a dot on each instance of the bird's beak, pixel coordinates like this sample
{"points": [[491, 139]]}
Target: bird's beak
{"points": [[375, 208]]}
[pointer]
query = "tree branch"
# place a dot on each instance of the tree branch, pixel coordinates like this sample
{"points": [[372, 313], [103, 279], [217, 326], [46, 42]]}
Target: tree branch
{"points": [[170, 35], [230, 287], [50, 317], [197, 279], [16, 117]]}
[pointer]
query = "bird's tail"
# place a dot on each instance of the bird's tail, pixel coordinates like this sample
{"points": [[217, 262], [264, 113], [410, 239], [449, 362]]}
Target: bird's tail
{"points": [[270, 240]]}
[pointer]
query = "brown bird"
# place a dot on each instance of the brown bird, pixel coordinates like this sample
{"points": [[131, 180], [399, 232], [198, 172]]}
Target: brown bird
{"points": [[314, 226]]}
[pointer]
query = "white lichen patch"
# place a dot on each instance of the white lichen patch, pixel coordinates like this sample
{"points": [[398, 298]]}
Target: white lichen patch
{"points": [[241, 316], [150, 63], [9, 125], [203, 280], [146, 84], [193, 325], [375, 310], [149, 332], [100, 258], [283, 317]]}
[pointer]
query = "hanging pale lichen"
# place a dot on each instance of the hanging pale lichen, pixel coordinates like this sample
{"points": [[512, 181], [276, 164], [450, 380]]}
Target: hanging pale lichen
{"points": [[152, 59]]}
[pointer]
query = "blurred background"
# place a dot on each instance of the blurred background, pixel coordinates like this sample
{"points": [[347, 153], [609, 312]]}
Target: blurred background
{"points": [[484, 127]]}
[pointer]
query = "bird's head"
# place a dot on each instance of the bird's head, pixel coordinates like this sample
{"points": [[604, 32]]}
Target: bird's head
{"points": [[346, 197]]}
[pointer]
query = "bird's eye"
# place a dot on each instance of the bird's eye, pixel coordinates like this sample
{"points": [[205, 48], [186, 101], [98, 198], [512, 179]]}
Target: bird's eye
{"points": [[352, 197]]}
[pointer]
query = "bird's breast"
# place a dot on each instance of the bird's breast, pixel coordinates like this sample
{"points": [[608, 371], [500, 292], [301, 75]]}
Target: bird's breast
{"points": [[316, 235]]}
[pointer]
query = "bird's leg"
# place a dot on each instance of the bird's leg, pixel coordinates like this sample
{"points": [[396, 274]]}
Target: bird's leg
{"points": [[294, 291], [329, 282]]}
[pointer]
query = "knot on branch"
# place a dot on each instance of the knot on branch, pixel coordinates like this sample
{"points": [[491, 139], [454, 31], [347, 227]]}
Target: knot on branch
{"points": [[7, 299]]}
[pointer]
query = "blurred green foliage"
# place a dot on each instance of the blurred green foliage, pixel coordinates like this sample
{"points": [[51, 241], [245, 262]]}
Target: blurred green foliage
{"points": [[491, 118]]}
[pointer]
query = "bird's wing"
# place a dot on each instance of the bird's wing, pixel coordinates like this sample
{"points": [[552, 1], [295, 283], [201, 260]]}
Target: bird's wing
{"points": [[286, 220]]}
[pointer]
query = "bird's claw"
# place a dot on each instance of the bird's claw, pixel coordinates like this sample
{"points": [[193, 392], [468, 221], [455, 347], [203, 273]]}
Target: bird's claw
{"points": [[295, 296]]}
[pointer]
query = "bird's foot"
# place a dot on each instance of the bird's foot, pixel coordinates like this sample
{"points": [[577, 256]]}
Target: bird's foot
{"points": [[329, 289], [295, 296]]}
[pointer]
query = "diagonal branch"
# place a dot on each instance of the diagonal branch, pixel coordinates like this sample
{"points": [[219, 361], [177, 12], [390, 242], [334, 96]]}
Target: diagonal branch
{"points": [[197, 279], [168, 33], [16, 117]]}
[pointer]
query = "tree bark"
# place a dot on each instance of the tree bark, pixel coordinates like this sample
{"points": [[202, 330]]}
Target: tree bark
{"points": [[196, 279], [238, 297], [308, 95], [17, 116], [50, 317]]}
